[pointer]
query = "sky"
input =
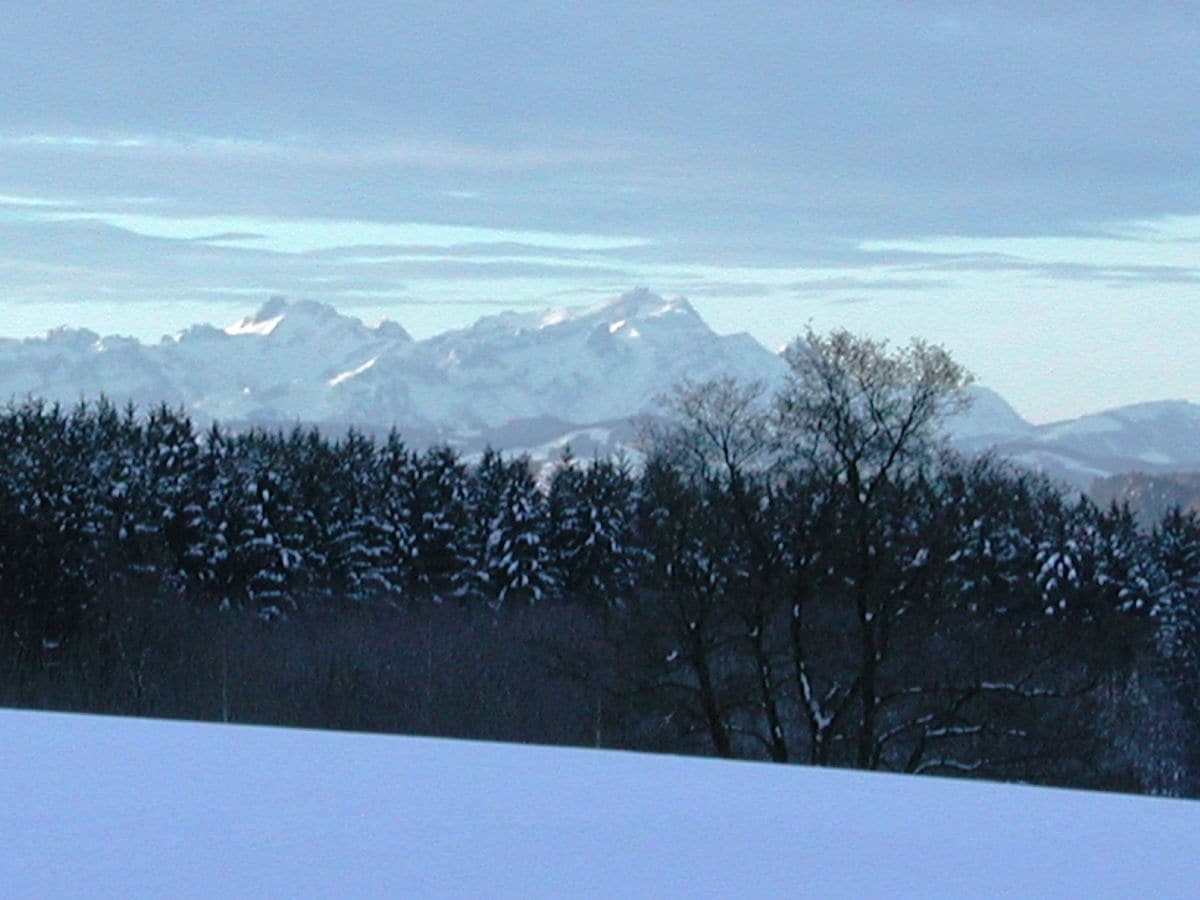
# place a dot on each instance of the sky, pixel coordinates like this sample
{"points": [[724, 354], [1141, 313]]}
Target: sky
{"points": [[1019, 182]]}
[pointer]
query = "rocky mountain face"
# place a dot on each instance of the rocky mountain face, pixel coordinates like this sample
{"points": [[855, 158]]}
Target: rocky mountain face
{"points": [[520, 381]]}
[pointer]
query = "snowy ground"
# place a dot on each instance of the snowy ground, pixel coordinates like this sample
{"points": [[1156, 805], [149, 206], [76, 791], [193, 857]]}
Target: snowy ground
{"points": [[92, 806]]}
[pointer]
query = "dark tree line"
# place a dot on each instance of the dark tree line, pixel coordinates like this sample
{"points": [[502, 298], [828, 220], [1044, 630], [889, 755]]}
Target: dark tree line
{"points": [[98, 502], [807, 577]]}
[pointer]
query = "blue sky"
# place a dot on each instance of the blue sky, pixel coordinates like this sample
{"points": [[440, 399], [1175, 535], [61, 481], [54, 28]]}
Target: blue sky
{"points": [[1018, 182]]}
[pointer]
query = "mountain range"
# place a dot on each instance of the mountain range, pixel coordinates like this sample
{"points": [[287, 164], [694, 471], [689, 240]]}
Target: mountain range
{"points": [[518, 381]]}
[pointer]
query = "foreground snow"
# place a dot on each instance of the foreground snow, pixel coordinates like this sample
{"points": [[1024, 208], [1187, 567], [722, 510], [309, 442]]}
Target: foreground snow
{"points": [[92, 806]]}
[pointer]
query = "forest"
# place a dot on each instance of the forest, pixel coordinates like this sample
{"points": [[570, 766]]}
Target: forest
{"points": [[808, 576]]}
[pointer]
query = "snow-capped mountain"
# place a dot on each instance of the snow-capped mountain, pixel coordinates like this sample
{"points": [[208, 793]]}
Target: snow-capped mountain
{"points": [[1165, 433], [304, 361], [580, 366], [1154, 438], [988, 420], [520, 381]]}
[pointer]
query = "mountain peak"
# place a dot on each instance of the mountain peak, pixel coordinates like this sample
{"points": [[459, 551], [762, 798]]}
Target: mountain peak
{"points": [[276, 306], [641, 303], [263, 322], [65, 336], [391, 330], [278, 309], [989, 416]]}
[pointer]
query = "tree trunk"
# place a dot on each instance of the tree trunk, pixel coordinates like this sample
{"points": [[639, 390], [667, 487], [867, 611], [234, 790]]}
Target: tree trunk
{"points": [[708, 702]]}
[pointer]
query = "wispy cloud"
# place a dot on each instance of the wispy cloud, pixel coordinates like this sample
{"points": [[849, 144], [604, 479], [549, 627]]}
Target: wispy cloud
{"points": [[849, 301], [434, 154], [31, 202], [476, 249], [226, 237], [854, 283], [330, 235], [729, 289], [1063, 270]]}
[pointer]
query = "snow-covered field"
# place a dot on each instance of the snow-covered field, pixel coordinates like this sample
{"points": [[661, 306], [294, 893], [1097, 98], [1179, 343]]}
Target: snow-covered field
{"points": [[94, 806]]}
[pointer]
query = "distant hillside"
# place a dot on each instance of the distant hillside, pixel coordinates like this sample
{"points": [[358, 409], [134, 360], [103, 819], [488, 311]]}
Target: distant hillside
{"points": [[1149, 496]]}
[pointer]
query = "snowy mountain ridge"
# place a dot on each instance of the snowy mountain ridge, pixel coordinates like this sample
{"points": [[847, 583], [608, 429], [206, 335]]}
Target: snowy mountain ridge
{"points": [[304, 361], [517, 380], [1155, 438]]}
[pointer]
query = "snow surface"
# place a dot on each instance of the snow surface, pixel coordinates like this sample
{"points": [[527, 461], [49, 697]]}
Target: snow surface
{"points": [[1058, 463], [988, 417], [357, 370], [95, 806], [1101, 423], [252, 325]]}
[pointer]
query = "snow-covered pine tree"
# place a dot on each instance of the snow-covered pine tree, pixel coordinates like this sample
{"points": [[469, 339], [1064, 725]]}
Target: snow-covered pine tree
{"points": [[591, 529], [356, 538], [1095, 573], [272, 540], [45, 568], [1176, 607], [171, 456], [442, 561], [1097, 576], [129, 547], [485, 492], [239, 560], [309, 461], [615, 481], [993, 565], [395, 519], [516, 557], [566, 517], [1176, 611]]}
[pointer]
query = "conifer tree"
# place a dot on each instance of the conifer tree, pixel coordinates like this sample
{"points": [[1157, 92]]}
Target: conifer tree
{"points": [[1176, 542], [442, 559], [395, 519], [516, 557], [591, 529], [353, 529], [171, 461]]}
